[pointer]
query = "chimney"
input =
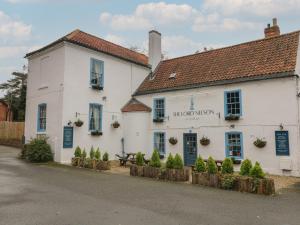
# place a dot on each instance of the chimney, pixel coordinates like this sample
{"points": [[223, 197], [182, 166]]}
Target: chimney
{"points": [[272, 31], [154, 48]]}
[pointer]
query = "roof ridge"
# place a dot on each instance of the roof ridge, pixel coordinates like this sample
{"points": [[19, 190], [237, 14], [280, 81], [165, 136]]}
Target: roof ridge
{"points": [[78, 30], [235, 45]]}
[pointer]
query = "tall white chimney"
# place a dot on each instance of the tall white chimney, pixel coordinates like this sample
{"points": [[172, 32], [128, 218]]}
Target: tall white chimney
{"points": [[154, 48]]}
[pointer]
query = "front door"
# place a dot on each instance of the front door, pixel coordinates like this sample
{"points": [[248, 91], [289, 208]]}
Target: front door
{"points": [[189, 148]]}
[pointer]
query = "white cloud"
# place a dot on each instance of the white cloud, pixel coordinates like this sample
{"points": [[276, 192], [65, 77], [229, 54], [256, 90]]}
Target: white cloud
{"points": [[147, 16], [256, 7], [13, 29]]}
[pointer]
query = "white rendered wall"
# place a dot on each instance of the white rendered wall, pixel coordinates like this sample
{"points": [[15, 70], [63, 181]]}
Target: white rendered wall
{"points": [[265, 104], [121, 78], [45, 85]]}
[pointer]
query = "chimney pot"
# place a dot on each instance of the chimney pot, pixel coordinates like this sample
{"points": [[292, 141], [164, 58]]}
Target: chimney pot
{"points": [[274, 21], [272, 31]]}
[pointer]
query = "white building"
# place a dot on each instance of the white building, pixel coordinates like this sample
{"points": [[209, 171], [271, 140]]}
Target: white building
{"points": [[232, 96]]}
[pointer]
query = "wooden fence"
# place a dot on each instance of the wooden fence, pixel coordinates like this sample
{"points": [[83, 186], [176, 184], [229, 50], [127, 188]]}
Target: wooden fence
{"points": [[11, 133]]}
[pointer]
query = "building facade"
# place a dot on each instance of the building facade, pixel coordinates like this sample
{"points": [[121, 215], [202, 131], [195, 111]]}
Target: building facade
{"points": [[215, 103]]}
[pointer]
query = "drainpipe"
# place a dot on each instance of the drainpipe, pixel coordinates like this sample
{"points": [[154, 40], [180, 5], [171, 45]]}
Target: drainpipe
{"points": [[298, 122], [123, 149]]}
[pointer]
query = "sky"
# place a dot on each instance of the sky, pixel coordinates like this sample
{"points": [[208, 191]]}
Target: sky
{"points": [[186, 26]]}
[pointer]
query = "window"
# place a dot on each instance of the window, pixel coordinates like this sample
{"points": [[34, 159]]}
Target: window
{"points": [[95, 117], [42, 113], [159, 142], [159, 108], [234, 145], [97, 74], [233, 102]]}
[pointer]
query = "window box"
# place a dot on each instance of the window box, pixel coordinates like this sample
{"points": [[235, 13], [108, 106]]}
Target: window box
{"points": [[97, 87], [231, 117], [236, 161], [158, 120], [96, 133]]}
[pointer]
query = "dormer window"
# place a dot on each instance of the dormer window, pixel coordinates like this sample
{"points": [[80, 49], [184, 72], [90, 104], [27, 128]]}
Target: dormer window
{"points": [[172, 76], [97, 74]]}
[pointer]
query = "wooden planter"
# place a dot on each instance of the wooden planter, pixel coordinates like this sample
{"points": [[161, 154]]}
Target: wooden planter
{"points": [[205, 179], [103, 165], [136, 171], [75, 161], [152, 172], [176, 174]]}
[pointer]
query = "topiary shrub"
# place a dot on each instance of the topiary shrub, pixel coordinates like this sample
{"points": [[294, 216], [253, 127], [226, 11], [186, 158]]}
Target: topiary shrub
{"points": [[92, 153], [105, 157], [139, 159], [83, 155], [170, 162], [155, 159], [211, 166], [97, 154], [200, 165], [246, 167], [227, 166], [38, 150], [77, 152], [257, 171], [178, 163], [228, 182]]}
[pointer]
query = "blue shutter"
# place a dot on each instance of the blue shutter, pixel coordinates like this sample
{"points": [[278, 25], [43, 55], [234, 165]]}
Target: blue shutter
{"points": [[100, 117], [102, 74]]}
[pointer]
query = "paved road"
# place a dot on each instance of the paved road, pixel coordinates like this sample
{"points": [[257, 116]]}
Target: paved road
{"points": [[57, 195]]}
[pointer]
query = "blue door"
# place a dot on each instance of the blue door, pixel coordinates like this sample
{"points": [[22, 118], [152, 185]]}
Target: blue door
{"points": [[190, 148]]}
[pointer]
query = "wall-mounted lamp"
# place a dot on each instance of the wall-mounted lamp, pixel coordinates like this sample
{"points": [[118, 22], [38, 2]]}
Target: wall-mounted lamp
{"points": [[232, 126], [281, 126], [104, 98]]}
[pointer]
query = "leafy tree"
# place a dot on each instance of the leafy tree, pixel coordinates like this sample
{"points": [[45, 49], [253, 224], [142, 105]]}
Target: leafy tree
{"points": [[139, 159], [178, 163], [155, 159], [246, 167], [200, 165], [15, 95], [227, 166], [257, 171], [170, 162], [77, 152], [211, 166]]}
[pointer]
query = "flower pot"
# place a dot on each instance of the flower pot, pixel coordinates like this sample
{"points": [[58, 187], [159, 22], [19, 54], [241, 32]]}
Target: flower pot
{"points": [[204, 141], [173, 141]]}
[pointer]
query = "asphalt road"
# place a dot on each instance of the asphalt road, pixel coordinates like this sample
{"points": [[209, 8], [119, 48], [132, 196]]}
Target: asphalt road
{"points": [[60, 195]]}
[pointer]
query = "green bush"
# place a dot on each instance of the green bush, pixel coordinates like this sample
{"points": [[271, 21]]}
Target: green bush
{"points": [[38, 150], [228, 181], [23, 152], [83, 155], [257, 171], [170, 162], [227, 166], [88, 163], [77, 152], [139, 159], [97, 154], [178, 163], [246, 167], [155, 159], [200, 165], [92, 153], [105, 156], [211, 166]]}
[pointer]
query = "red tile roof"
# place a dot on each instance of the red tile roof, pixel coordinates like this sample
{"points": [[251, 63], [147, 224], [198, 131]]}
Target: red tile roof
{"points": [[251, 60], [98, 44], [135, 106]]}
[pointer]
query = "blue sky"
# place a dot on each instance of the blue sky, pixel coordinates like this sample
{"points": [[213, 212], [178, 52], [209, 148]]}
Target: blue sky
{"points": [[186, 26]]}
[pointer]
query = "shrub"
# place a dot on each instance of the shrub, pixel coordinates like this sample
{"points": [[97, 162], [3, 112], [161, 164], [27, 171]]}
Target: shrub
{"points": [[178, 163], [77, 152], [227, 166], [92, 153], [97, 154], [155, 159], [246, 167], [170, 162], [88, 163], [105, 156], [23, 151], [83, 155], [257, 171], [200, 165], [139, 159], [211, 166], [228, 181], [38, 150]]}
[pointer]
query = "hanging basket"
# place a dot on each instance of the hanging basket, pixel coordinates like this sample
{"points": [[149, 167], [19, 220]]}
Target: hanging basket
{"points": [[260, 143], [115, 124], [204, 141], [173, 140], [78, 123]]}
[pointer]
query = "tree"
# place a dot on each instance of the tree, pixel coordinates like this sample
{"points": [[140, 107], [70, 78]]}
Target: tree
{"points": [[15, 95]]}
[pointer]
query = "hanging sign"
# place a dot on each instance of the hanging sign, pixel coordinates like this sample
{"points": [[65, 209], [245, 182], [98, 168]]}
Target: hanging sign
{"points": [[68, 137], [282, 143]]}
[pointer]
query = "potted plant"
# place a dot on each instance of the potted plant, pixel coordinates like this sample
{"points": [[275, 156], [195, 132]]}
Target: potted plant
{"points": [[96, 84], [204, 141], [78, 123], [115, 124], [77, 156], [96, 133], [231, 117], [260, 143], [173, 140]]}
